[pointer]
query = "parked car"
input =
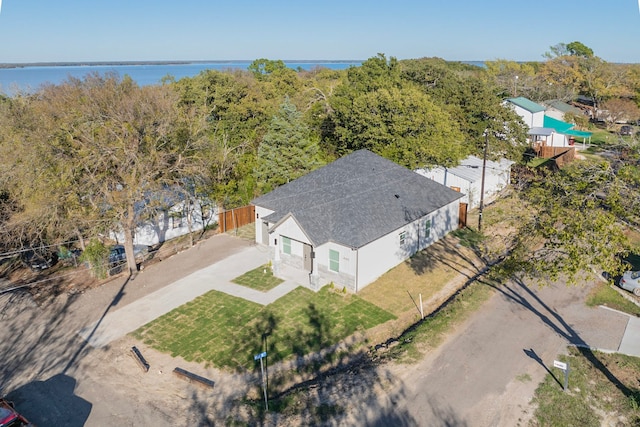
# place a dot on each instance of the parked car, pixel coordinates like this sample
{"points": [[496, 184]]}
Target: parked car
{"points": [[630, 281], [117, 255], [39, 259], [626, 130], [9, 417]]}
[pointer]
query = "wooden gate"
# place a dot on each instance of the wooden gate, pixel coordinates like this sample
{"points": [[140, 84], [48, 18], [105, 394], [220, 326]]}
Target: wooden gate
{"points": [[462, 215]]}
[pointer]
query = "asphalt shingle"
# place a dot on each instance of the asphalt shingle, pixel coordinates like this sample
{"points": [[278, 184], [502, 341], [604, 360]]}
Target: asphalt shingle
{"points": [[356, 199]]}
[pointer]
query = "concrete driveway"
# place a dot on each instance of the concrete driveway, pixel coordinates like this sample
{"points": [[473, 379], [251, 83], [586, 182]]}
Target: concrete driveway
{"points": [[487, 372], [117, 323]]}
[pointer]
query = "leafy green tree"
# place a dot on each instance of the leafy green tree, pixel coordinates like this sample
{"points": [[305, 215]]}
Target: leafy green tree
{"points": [[403, 125], [288, 149], [475, 104], [374, 108], [574, 224], [263, 67], [103, 146], [578, 49]]}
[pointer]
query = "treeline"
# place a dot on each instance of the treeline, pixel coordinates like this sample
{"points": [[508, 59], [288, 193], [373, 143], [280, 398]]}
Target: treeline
{"points": [[92, 155]]}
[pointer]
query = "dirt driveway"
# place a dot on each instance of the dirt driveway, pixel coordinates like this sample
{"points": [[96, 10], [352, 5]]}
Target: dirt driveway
{"points": [[55, 379]]}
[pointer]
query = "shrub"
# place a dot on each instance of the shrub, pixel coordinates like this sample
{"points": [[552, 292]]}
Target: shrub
{"points": [[96, 254]]}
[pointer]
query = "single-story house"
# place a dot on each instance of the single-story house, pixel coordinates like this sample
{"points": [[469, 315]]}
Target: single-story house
{"points": [[467, 178], [557, 109], [172, 217], [352, 220], [544, 130]]}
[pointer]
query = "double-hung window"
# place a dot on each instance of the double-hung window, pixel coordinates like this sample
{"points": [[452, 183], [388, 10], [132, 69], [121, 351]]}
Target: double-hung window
{"points": [[403, 237], [427, 229], [286, 245], [334, 260]]}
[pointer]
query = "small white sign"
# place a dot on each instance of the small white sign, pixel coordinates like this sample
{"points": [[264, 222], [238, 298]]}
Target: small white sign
{"points": [[559, 365]]}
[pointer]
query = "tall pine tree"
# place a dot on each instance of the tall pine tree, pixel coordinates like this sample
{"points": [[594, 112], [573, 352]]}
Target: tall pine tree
{"points": [[288, 149]]}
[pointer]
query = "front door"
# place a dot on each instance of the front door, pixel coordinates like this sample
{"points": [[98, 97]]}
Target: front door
{"points": [[307, 252], [265, 233]]}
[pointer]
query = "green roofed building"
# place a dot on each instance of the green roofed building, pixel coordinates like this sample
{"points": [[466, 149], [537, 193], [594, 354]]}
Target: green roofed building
{"points": [[544, 130]]}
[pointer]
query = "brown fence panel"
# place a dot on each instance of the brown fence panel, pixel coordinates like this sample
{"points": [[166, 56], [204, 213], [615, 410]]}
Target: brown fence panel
{"points": [[462, 215], [236, 218], [560, 155]]}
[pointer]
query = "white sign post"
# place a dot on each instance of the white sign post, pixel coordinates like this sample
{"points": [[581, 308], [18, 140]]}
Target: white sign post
{"points": [[264, 382], [564, 366]]}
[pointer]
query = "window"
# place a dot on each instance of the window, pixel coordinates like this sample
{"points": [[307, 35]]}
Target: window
{"points": [[334, 260], [286, 245], [403, 237], [427, 229], [206, 212], [176, 219]]}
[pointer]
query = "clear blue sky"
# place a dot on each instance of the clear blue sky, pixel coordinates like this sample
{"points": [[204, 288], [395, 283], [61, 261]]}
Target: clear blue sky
{"points": [[133, 30]]}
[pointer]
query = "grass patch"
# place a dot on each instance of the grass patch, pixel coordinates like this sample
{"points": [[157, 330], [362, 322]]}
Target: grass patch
{"points": [[605, 295], [537, 162], [260, 279], [468, 237], [593, 398], [226, 332], [426, 273]]}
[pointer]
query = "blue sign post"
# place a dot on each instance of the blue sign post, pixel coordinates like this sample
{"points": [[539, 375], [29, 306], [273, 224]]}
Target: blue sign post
{"points": [[261, 356]]}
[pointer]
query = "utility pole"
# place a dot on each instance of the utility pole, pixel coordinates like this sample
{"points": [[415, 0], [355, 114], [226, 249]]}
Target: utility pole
{"points": [[484, 168]]}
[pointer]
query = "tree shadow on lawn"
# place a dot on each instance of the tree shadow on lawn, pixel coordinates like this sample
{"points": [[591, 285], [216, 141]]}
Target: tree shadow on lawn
{"points": [[523, 295], [449, 253], [314, 386]]}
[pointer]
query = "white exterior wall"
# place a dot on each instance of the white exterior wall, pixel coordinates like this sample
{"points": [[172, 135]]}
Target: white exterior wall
{"points": [[289, 228], [379, 256], [348, 261], [530, 119], [260, 213], [557, 140], [442, 176], [163, 227]]}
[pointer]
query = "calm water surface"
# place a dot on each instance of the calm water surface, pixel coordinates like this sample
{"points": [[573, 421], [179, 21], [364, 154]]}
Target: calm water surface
{"points": [[30, 79]]}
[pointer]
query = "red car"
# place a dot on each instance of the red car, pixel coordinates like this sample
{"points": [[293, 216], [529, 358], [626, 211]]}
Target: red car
{"points": [[9, 417]]}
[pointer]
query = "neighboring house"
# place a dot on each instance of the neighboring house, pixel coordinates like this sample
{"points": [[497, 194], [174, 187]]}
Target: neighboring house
{"points": [[467, 178], [173, 218], [352, 220], [557, 109], [544, 130], [532, 114]]}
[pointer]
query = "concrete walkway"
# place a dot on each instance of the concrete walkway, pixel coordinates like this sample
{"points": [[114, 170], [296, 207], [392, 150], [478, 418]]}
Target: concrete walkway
{"points": [[630, 344], [116, 324]]}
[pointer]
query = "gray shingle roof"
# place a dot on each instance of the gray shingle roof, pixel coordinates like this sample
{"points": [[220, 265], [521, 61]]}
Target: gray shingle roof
{"points": [[356, 199]]}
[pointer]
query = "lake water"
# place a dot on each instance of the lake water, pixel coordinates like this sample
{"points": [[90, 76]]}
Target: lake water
{"points": [[32, 77]]}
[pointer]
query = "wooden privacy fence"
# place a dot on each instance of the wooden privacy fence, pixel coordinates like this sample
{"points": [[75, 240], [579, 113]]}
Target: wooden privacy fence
{"points": [[561, 155], [236, 218]]}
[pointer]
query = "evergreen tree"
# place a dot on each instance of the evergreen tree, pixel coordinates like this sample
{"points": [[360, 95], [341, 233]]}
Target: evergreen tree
{"points": [[287, 151]]}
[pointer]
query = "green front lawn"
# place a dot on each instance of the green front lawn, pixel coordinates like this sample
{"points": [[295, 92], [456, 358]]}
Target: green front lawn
{"points": [[226, 332], [260, 279]]}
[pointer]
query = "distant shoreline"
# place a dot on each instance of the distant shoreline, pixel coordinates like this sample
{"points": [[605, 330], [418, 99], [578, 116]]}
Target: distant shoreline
{"points": [[120, 63]]}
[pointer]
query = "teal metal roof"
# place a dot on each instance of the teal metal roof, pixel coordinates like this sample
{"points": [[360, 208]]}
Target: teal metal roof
{"points": [[564, 127], [527, 104], [558, 125], [581, 134]]}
